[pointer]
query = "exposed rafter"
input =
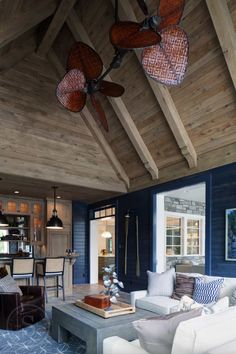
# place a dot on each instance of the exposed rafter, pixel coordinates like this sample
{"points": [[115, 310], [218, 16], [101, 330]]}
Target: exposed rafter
{"points": [[93, 126], [22, 22], [55, 26], [17, 53], [118, 105], [165, 100], [224, 27]]}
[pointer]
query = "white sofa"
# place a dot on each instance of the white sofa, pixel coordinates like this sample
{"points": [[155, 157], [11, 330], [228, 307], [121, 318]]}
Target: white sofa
{"points": [[209, 334], [164, 305]]}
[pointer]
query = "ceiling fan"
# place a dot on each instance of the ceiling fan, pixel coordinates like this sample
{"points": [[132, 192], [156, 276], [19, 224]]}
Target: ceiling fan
{"points": [[83, 77], [164, 47], [165, 53]]}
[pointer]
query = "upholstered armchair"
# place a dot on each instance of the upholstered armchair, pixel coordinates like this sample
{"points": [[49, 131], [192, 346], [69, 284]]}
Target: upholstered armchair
{"points": [[18, 311]]}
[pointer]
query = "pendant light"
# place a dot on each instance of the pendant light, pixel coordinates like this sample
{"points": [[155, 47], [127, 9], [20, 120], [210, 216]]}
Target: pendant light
{"points": [[3, 219], [54, 223], [106, 234]]}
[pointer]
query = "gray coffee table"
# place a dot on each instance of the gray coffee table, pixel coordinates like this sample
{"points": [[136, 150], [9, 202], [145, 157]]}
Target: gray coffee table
{"points": [[91, 328]]}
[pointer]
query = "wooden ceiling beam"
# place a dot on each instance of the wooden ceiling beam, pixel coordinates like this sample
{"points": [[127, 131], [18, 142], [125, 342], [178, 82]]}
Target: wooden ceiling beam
{"points": [[56, 24], [118, 105], [14, 27], [17, 53], [225, 31], [165, 100], [93, 127]]}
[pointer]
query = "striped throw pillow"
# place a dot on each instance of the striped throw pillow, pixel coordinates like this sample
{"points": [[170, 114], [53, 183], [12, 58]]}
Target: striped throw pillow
{"points": [[9, 285], [205, 293]]}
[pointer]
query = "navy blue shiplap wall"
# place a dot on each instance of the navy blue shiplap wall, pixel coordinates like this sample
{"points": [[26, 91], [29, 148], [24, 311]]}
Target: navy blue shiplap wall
{"points": [[80, 242], [221, 195], [139, 204]]}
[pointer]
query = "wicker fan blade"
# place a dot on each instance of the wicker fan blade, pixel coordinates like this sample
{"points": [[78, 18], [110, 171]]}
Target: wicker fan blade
{"points": [[100, 112], [143, 6], [131, 35], [85, 59], [170, 12], [167, 62], [111, 89], [69, 91]]}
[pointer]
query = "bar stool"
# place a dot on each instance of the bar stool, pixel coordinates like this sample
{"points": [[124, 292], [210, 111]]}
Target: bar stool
{"points": [[52, 267], [23, 268]]}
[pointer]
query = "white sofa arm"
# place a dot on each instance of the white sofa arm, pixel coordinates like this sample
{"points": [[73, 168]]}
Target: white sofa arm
{"points": [[117, 345], [135, 295]]}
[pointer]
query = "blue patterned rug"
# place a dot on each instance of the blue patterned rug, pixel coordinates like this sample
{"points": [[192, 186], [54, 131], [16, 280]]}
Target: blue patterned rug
{"points": [[36, 339]]}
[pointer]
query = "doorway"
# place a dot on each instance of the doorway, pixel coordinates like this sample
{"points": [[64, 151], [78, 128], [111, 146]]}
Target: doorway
{"points": [[102, 242], [181, 229]]}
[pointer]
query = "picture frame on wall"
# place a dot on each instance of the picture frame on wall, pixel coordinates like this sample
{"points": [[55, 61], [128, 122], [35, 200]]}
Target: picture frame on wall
{"points": [[230, 234]]}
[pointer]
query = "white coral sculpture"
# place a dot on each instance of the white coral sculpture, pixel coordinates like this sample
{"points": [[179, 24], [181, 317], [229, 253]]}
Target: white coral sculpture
{"points": [[111, 283]]}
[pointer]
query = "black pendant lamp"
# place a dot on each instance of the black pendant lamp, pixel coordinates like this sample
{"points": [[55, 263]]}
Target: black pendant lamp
{"points": [[55, 222], [3, 219]]}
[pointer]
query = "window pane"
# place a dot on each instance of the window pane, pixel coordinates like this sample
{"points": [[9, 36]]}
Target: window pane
{"points": [[169, 240], [193, 223], [169, 232], [169, 251], [97, 214], [176, 232], [177, 241], [193, 233], [173, 222], [177, 251]]}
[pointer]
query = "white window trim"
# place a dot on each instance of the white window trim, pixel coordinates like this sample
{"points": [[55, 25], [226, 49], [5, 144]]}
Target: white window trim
{"points": [[184, 217]]}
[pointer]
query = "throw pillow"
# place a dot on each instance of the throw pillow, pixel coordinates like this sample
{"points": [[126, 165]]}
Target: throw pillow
{"points": [[216, 307], [205, 293], [184, 285], [9, 285], [3, 272], [161, 284], [187, 303], [156, 334]]}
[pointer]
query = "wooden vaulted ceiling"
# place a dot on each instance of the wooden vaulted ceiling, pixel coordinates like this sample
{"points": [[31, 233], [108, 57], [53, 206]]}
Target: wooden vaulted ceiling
{"points": [[156, 133]]}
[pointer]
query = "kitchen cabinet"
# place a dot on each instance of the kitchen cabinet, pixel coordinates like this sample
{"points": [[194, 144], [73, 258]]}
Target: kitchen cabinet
{"points": [[31, 208], [60, 240], [37, 222]]}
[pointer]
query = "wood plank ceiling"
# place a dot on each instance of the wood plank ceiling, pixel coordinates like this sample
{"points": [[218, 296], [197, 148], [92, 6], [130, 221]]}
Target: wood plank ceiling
{"points": [[156, 133]]}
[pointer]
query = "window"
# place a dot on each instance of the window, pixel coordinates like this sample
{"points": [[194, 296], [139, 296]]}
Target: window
{"points": [[102, 213], [193, 237], [184, 235], [173, 236]]}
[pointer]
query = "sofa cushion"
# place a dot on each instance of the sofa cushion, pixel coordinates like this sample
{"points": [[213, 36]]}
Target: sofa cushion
{"points": [[162, 305], [220, 305], [156, 334], [184, 285], [228, 348], [161, 284], [9, 285], [199, 335], [205, 293]]}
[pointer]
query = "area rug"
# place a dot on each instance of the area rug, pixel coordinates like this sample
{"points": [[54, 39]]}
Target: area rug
{"points": [[36, 339]]}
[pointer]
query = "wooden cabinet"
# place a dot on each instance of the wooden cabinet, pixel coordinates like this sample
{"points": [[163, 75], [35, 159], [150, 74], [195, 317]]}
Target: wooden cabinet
{"points": [[13, 206], [32, 208], [60, 240], [37, 222]]}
